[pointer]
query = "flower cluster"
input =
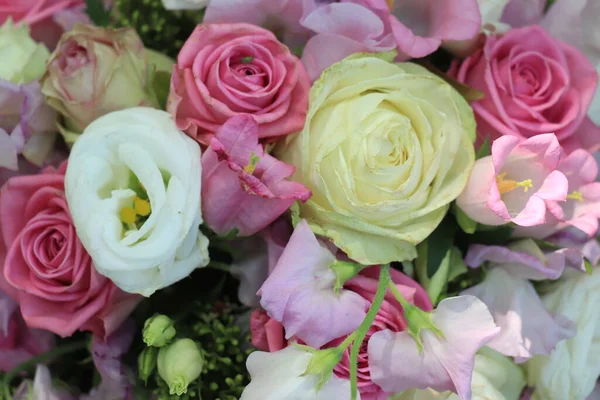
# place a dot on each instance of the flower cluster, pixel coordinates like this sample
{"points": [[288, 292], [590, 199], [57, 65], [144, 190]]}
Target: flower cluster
{"points": [[313, 200]]}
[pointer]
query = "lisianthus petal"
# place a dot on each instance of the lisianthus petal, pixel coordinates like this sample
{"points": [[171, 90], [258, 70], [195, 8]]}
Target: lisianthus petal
{"points": [[299, 293], [445, 363], [527, 328]]}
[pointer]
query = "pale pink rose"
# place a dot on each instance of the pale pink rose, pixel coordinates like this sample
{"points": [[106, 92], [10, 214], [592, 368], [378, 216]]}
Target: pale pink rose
{"points": [[224, 70], [518, 183], [533, 84], [46, 269], [48, 19], [243, 187], [270, 335], [18, 343], [581, 209]]}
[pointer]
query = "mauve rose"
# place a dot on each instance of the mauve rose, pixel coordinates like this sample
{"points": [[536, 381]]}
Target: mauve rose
{"points": [[230, 69], [533, 84], [268, 334], [18, 343], [44, 265]]}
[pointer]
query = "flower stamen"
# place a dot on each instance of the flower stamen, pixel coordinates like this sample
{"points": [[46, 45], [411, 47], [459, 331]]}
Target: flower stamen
{"points": [[575, 195], [251, 167], [508, 185]]}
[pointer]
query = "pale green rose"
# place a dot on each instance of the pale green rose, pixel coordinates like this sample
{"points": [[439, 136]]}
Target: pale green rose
{"points": [[495, 377], [23, 59], [385, 149], [95, 71]]}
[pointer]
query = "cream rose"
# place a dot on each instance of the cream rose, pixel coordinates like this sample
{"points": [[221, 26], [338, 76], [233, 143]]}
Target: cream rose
{"points": [[133, 189], [572, 369], [386, 147]]}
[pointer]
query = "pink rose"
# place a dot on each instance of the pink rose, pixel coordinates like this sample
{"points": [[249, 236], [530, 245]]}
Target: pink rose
{"points": [[269, 335], [533, 84], [48, 19], [243, 187], [225, 70], [46, 269], [18, 343]]}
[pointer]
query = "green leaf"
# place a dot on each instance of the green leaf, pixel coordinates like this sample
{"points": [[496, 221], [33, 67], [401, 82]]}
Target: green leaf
{"points": [[464, 221], [493, 235], [231, 235], [484, 150], [97, 13], [161, 85], [589, 268], [438, 244]]}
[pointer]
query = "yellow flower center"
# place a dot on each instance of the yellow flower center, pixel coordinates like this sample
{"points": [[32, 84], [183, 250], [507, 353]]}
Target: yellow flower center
{"points": [[508, 185], [130, 216], [251, 167], [575, 196], [390, 4]]}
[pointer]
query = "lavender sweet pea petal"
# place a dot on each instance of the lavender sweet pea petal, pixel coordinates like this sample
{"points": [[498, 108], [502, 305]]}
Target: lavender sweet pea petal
{"points": [[116, 382], [41, 389], [527, 328], [519, 263], [7, 308]]}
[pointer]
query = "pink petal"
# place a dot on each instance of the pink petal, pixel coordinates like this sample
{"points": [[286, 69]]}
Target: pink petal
{"points": [[527, 328], [444, 364], [518, 263], [299, 293]]}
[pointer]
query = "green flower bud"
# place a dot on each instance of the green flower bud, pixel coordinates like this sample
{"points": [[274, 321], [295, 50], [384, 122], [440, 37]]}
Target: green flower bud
{"points": [[179, 364], [158, 330], [147, 362]]}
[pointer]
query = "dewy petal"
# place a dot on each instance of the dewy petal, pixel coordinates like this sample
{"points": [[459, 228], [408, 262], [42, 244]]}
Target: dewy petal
{"points": [[525, 260], [299, 293], [445, 363], [280, 375], [527, 328]]}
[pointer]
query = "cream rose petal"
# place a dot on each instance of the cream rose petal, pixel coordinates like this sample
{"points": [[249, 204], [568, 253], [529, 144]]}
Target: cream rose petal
{"points": [[143, 143]]}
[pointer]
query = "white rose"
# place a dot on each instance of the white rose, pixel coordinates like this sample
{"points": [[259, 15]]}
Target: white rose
{"points": [[571, 371], [281, 375], [23, 60], [133, 189], [495, 377], [185, 4]]}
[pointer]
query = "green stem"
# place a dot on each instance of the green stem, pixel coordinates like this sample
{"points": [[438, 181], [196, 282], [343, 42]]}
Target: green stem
{"points": [[361, 332], [54, 353], [394, 289], [347, 342]]}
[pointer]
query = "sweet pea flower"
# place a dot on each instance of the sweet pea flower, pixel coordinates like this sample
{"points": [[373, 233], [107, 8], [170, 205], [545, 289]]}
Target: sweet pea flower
{"points": [[282, 375], [572, 369], [243, 187], [255, 258], [41, 388], [18, 342], [581, 209], [300, 293], [519, 13], [515, 182], [495, 377], [445, 361], [527, 328]]}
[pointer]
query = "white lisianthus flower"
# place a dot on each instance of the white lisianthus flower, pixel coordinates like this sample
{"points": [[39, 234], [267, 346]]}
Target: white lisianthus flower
{"points": [[571, 371], [494, 377], [133, 189]]}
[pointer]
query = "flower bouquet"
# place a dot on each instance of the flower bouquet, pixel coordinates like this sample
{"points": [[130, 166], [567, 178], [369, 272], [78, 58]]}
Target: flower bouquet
{"points": [[299, 199]]}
